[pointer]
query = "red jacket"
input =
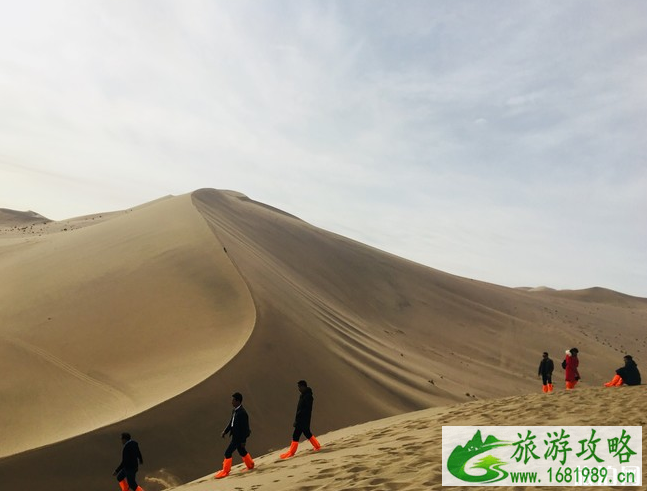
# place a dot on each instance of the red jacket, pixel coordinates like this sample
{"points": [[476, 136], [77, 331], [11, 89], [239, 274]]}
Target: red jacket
{"points": [[571, 368]]}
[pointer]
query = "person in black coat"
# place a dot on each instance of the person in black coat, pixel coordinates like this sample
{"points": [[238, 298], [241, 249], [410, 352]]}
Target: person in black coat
{"points": [[628, 374], [546, 367], [131, 457], [238, 429], [302, 420]]}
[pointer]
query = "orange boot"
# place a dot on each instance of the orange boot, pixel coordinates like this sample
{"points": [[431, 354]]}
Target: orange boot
{"points": [[615, 382], [544, 388], [248, 461], [550, 387], [315, 443], [290, 453], [123, 484], [226, 469]]}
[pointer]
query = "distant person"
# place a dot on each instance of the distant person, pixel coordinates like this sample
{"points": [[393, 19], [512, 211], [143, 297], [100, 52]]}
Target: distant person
{"points": [[628, 374], [302, 420], [546, 367], [570, 364], [238, 428], [131, 457]]}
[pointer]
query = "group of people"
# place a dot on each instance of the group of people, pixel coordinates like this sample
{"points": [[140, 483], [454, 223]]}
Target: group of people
{"points": [[570, 364], [627, 374], [237, 428]]}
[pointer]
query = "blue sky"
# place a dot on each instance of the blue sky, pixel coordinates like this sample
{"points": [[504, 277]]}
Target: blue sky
{"points": [[503, 141]]}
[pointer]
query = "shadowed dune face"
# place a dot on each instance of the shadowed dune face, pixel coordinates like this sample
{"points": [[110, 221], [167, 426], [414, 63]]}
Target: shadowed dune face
{"points": [[101, 322], [373, 334], [13, 218], [394, 324]]}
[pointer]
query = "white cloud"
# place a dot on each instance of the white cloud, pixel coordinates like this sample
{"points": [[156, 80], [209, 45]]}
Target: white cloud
{"points": [[489, 140]]}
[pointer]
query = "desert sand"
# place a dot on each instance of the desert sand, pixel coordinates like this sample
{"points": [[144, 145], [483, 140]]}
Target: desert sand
{"points": [[82, 301], [404, 452], [146, 320]]}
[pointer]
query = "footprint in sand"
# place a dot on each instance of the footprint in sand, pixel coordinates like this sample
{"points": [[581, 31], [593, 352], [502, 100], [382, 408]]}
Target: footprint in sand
{"points": [[387, 449], [326, 472]]}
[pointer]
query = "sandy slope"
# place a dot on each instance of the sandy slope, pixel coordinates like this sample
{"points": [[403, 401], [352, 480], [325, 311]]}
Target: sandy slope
{"points": [[93, 327], [375, 335], [20, 219], [403, 453]]}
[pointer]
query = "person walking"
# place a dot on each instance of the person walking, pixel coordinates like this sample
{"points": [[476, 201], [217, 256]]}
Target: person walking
{"points": [[131, 457], [570, 364], [628, 374], [546, 367], [238, 430], [302, 420]]}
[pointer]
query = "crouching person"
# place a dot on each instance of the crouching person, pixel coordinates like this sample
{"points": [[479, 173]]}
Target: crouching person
{"points": [[628, 374]]}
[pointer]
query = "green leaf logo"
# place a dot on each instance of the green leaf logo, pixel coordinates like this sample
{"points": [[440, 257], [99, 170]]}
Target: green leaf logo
{"points": [[460, 456]]}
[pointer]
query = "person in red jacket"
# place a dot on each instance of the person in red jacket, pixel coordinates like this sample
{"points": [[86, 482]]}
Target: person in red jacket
{"points": [[570, 364]]}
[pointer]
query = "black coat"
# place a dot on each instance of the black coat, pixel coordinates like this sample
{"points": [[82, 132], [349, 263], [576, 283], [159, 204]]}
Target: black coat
{"points": [[130, 456], [546, 367], [238, 425], [304, 409], [629, 373]]}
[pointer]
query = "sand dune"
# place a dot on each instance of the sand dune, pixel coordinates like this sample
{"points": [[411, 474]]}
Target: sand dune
{"points": [[404, 452], [94, 319], [15, 219], [599, 295], [154, 307]]}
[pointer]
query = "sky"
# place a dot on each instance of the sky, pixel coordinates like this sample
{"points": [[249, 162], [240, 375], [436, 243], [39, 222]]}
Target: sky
{"points": [[503, 141]]}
